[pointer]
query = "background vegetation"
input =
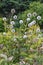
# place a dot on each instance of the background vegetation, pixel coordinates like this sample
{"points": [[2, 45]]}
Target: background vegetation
{"points": [[18, 5]]}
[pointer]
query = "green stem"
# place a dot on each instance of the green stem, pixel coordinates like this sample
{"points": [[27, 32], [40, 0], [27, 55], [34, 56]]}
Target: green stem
{"points": [[5, 26]]}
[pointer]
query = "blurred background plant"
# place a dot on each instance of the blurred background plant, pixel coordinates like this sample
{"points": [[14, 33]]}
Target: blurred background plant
{"points": [[18, 5]]}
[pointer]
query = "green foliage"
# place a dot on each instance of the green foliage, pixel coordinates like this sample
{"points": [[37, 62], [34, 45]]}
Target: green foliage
{"points": [[19, 5], [1, 25], [34, 7], [38, 8], [21, 48]]}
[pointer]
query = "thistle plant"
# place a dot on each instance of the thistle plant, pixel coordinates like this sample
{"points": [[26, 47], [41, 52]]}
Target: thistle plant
{"points": [[23, 41]]}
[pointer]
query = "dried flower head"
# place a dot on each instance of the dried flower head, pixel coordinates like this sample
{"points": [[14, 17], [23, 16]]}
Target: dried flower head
{"points": [[12, 23], [38, 17], [4, 33], [32, 23], [13, 30], [29, 15], [15, 39], [37, 30], [12, 11], [34, 14], [39, 35], [15, 17], [21, 21], [4, 19], [28, 19], [25, 36]]}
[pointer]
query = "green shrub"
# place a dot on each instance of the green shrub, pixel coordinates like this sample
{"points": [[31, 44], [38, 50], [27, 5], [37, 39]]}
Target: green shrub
{"points": [[37, 6], [34, 7]]}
